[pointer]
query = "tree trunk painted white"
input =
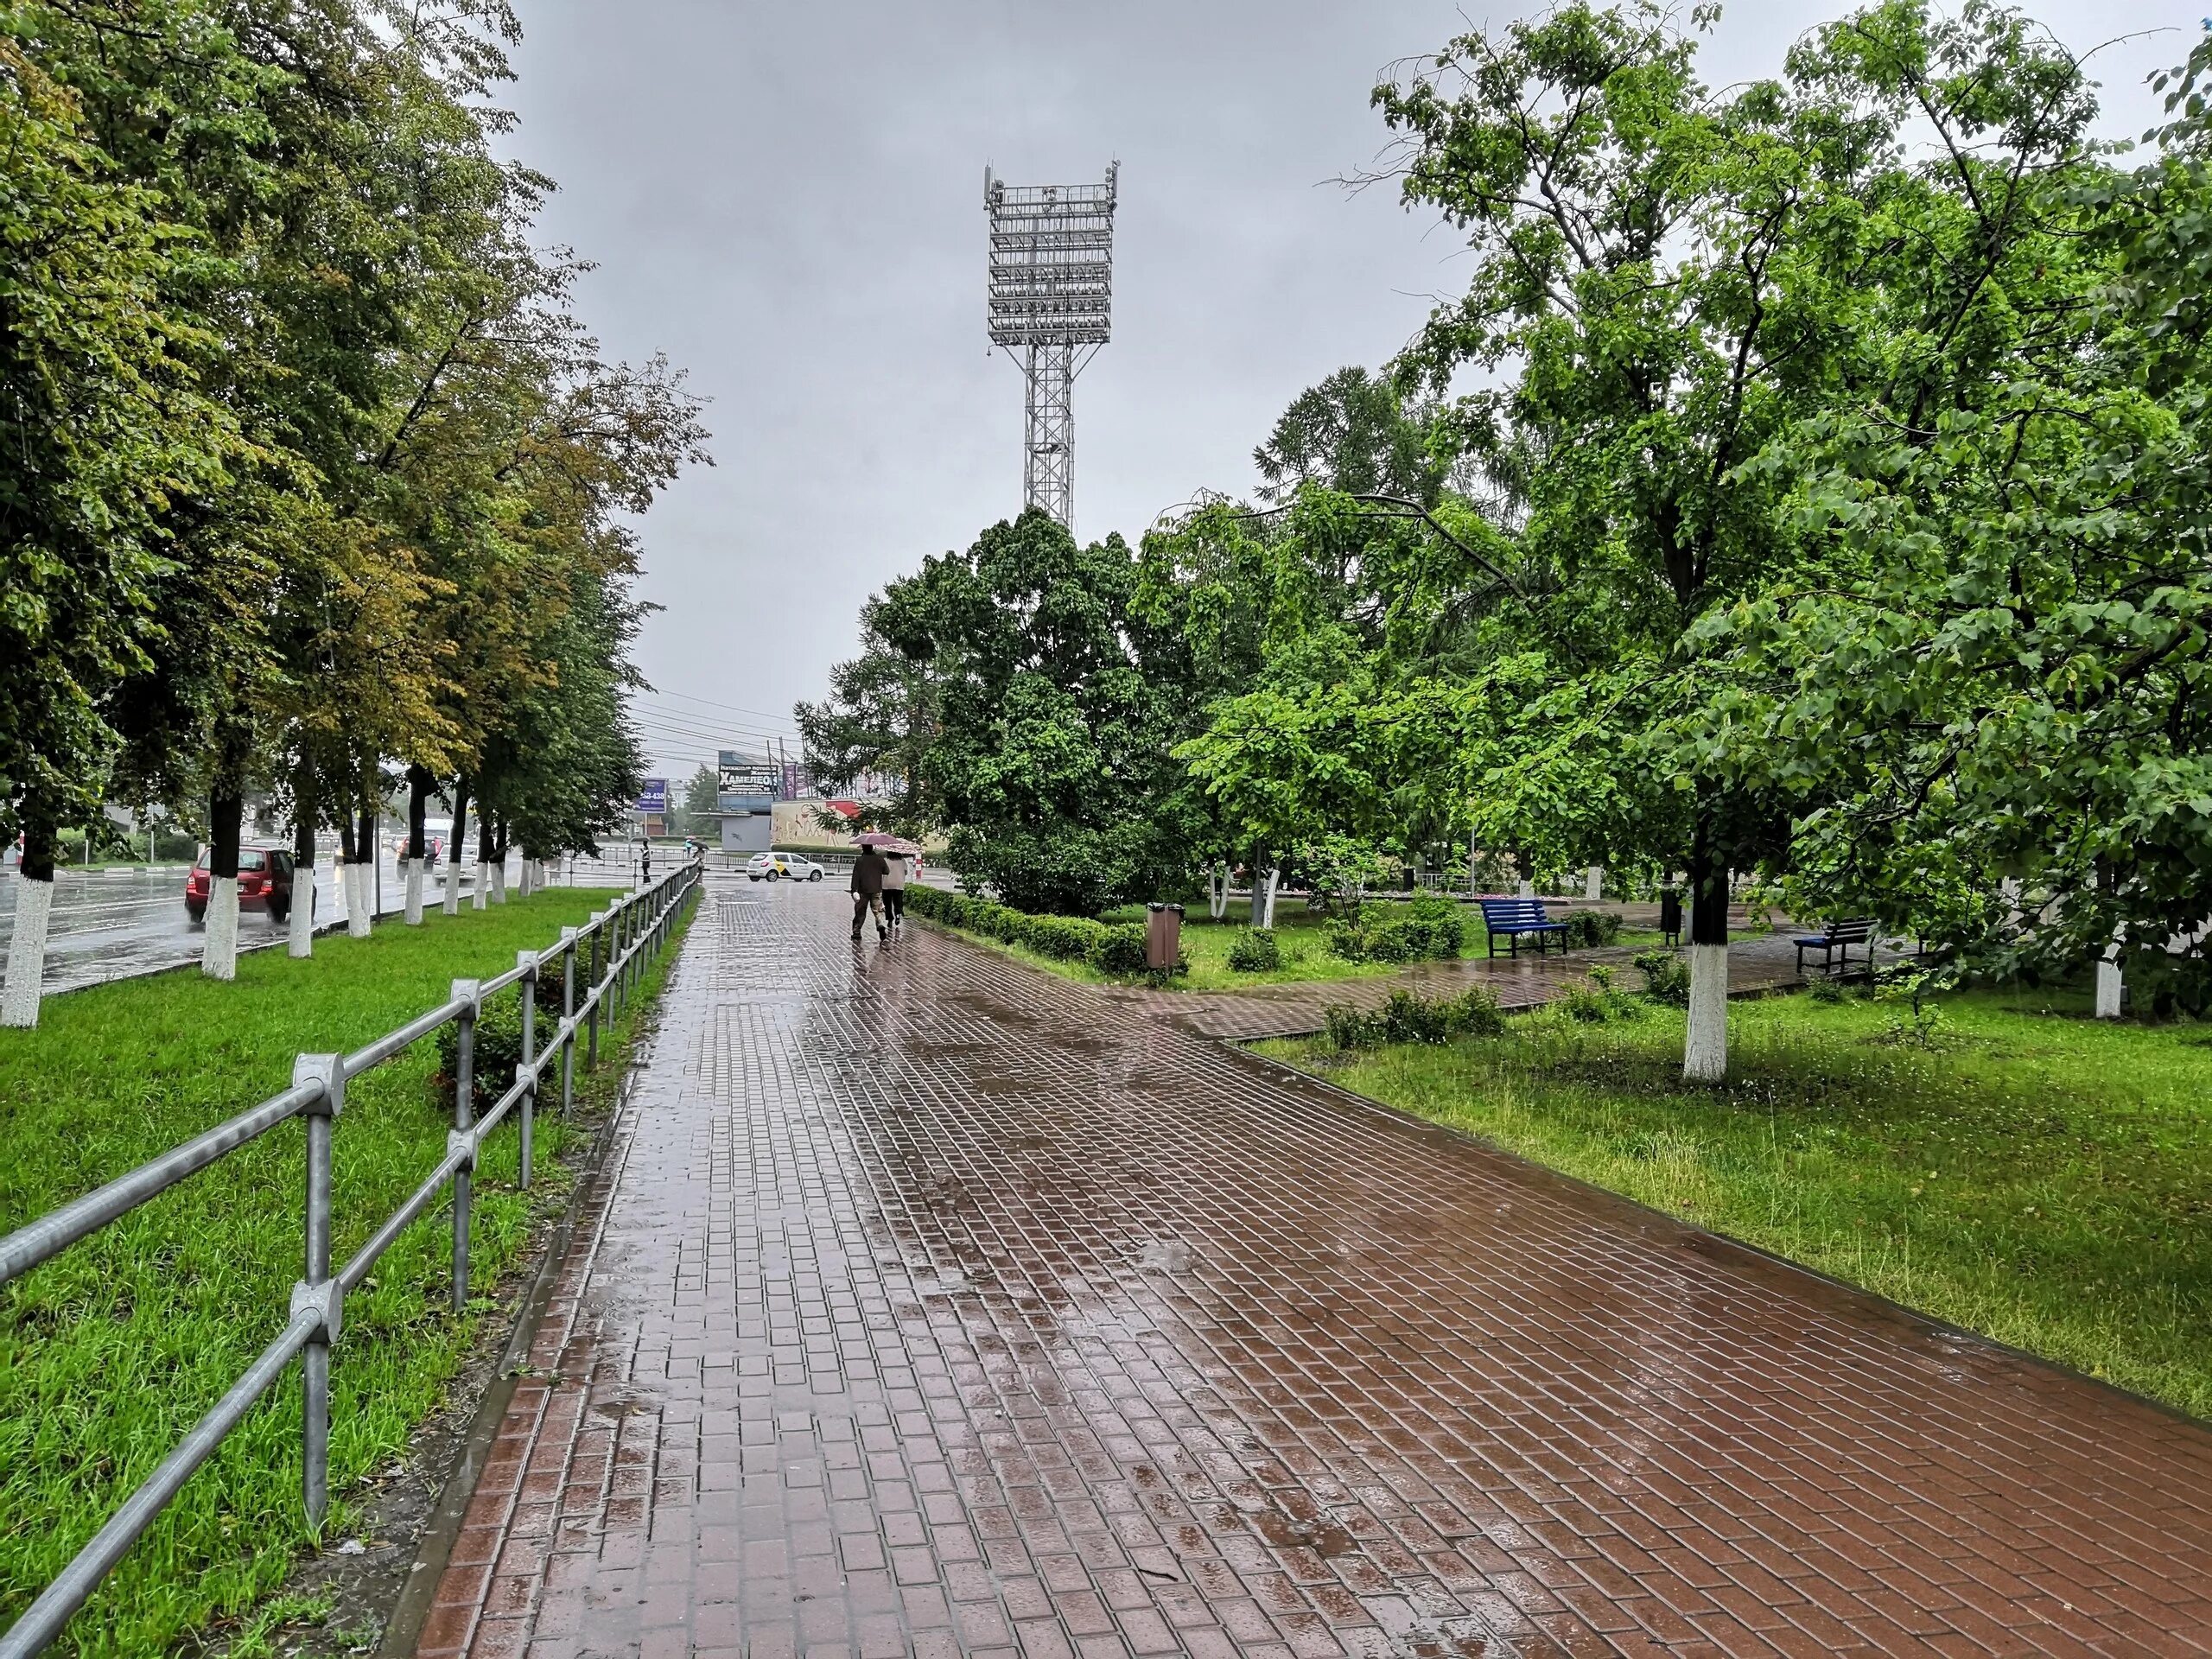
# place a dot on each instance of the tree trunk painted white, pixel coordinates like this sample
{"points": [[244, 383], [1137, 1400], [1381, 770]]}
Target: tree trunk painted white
{"points": [[450, 896], [479, 889], [1704, 1054], [1593, 884], [218, 947], [1274, 880], [414, 893], [1528, 887], [360, 894], [26, 952], [1217, 890], [300, 937], [2110, 983], [499, 881]]}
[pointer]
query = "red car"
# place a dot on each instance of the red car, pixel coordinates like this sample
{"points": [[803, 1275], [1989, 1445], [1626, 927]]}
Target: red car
{"points": [[265, 883]]}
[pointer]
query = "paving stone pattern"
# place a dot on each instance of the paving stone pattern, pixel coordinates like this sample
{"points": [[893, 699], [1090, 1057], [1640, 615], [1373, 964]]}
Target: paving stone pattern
{"points": [[934, 1307]]}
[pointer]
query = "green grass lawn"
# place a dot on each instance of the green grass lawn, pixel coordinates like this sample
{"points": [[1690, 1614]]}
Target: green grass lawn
{"points": [[108, 1353], [2034, 1175], [1306, 955]]}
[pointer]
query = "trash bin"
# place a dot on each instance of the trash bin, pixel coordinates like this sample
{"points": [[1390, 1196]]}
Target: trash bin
{"points": [[1163, 936], [1670, 914]]}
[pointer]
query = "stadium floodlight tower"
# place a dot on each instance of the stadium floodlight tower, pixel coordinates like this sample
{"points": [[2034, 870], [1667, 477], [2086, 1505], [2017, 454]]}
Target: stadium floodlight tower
{"points": [[1051, 308]]}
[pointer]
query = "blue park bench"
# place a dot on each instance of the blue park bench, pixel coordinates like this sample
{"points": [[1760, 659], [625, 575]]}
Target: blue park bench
{"points": [[1833, 938], [1514, 917]]}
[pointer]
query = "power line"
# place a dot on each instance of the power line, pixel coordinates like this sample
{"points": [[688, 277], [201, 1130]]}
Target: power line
{"points": [[734, 708], [668, 726]]}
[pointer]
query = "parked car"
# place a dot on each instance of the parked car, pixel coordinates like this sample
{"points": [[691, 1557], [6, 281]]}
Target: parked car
{"points": [[264, 884], [771, 867]]}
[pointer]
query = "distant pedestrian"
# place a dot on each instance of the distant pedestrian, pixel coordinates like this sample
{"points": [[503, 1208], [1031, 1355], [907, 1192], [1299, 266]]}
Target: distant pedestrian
{"points": [[868, 871], [894, 888], [646, 863]]}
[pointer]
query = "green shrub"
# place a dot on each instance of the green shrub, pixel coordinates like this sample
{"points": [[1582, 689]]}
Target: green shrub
{"points": [[1587, 1004], [1110, 947], [1666, 977], [1588, 928], [1427, 927], [1063, 938], [1394, 942], [1826, 990], [499, 1038], [1254, 950], [1408, 1018], [1120, 948]]}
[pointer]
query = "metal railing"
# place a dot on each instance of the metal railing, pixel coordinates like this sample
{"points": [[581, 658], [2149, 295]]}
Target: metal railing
{"points": [[625, 935]]}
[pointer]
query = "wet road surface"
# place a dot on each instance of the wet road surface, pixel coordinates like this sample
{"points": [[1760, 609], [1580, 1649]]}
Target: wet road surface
{"points": [[110, 923], [930, 1305]]}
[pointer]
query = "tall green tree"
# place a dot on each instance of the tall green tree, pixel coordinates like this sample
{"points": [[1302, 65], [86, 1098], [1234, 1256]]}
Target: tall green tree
{"points": [[103, 425], [1049, 753], [1640, 290], [2002, 681]]}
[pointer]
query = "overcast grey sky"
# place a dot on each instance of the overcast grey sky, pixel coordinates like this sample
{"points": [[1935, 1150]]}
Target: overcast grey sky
{"points": [[787, 199]]}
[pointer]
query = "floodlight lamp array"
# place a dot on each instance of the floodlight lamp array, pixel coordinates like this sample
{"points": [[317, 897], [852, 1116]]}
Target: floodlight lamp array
{"points": [[1051, 269]]}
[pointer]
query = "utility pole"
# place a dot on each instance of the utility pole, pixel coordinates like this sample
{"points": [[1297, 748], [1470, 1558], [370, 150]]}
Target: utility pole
{"points": [[1051, 308]]}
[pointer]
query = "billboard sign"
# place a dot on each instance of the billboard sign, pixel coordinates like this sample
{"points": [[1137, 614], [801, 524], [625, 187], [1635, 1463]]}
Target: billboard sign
{"points": [[744, 785], [652, 800]]}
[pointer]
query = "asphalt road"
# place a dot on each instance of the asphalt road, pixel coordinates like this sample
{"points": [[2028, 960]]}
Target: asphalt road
{"points": [[113, 923]]}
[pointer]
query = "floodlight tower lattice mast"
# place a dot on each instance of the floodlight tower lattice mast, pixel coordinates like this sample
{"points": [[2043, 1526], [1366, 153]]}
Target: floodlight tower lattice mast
{"points": [[1052, 292]]}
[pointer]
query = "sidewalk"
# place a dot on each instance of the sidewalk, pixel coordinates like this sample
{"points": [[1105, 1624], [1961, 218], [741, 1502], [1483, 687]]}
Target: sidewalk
{"points": [[932, 1306]]}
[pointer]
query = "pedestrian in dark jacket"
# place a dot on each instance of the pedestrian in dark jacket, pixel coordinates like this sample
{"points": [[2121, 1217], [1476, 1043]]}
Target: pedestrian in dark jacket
{"points": [[868, 871]]}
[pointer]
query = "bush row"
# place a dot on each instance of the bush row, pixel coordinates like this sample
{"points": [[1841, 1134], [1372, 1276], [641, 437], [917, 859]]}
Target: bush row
{"points": [[1406, 1018], [1428, 927], [1110, 947]]}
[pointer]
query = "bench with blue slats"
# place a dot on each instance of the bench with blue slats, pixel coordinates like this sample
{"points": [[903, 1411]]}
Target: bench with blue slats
{"points": [[1515, 918]]}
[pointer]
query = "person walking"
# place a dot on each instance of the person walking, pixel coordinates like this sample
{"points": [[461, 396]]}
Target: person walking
{"points": [[868, 871], [894, 888]]}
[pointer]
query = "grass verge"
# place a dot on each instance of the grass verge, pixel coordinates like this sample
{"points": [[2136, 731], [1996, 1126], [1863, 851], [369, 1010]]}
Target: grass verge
{"points": [[1299, 932], [2009, 1167], [110, 1353]]}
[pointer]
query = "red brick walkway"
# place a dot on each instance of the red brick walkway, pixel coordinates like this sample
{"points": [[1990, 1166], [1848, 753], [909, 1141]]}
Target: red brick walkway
{"points": [[931, 1306]]}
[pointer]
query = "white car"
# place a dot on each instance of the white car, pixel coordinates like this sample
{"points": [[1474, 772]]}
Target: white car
{"points": [[774, 867]]}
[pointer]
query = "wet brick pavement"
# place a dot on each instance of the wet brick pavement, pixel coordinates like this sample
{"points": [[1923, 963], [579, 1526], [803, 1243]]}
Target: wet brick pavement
{"points": [[932, 1307]]}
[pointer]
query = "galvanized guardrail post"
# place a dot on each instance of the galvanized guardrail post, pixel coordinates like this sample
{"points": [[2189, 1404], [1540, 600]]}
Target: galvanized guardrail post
{"points": [[527, 960], [317, 1290], [622, 956], [591, 1051], [567, 1013], [468, 992]]}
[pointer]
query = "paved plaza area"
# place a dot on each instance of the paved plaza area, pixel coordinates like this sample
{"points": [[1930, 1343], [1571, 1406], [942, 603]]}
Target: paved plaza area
{"points": [[927, 1305]]}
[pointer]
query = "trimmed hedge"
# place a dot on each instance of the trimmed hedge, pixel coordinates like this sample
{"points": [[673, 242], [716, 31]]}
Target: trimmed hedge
{"points": [[1110, 947]]}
